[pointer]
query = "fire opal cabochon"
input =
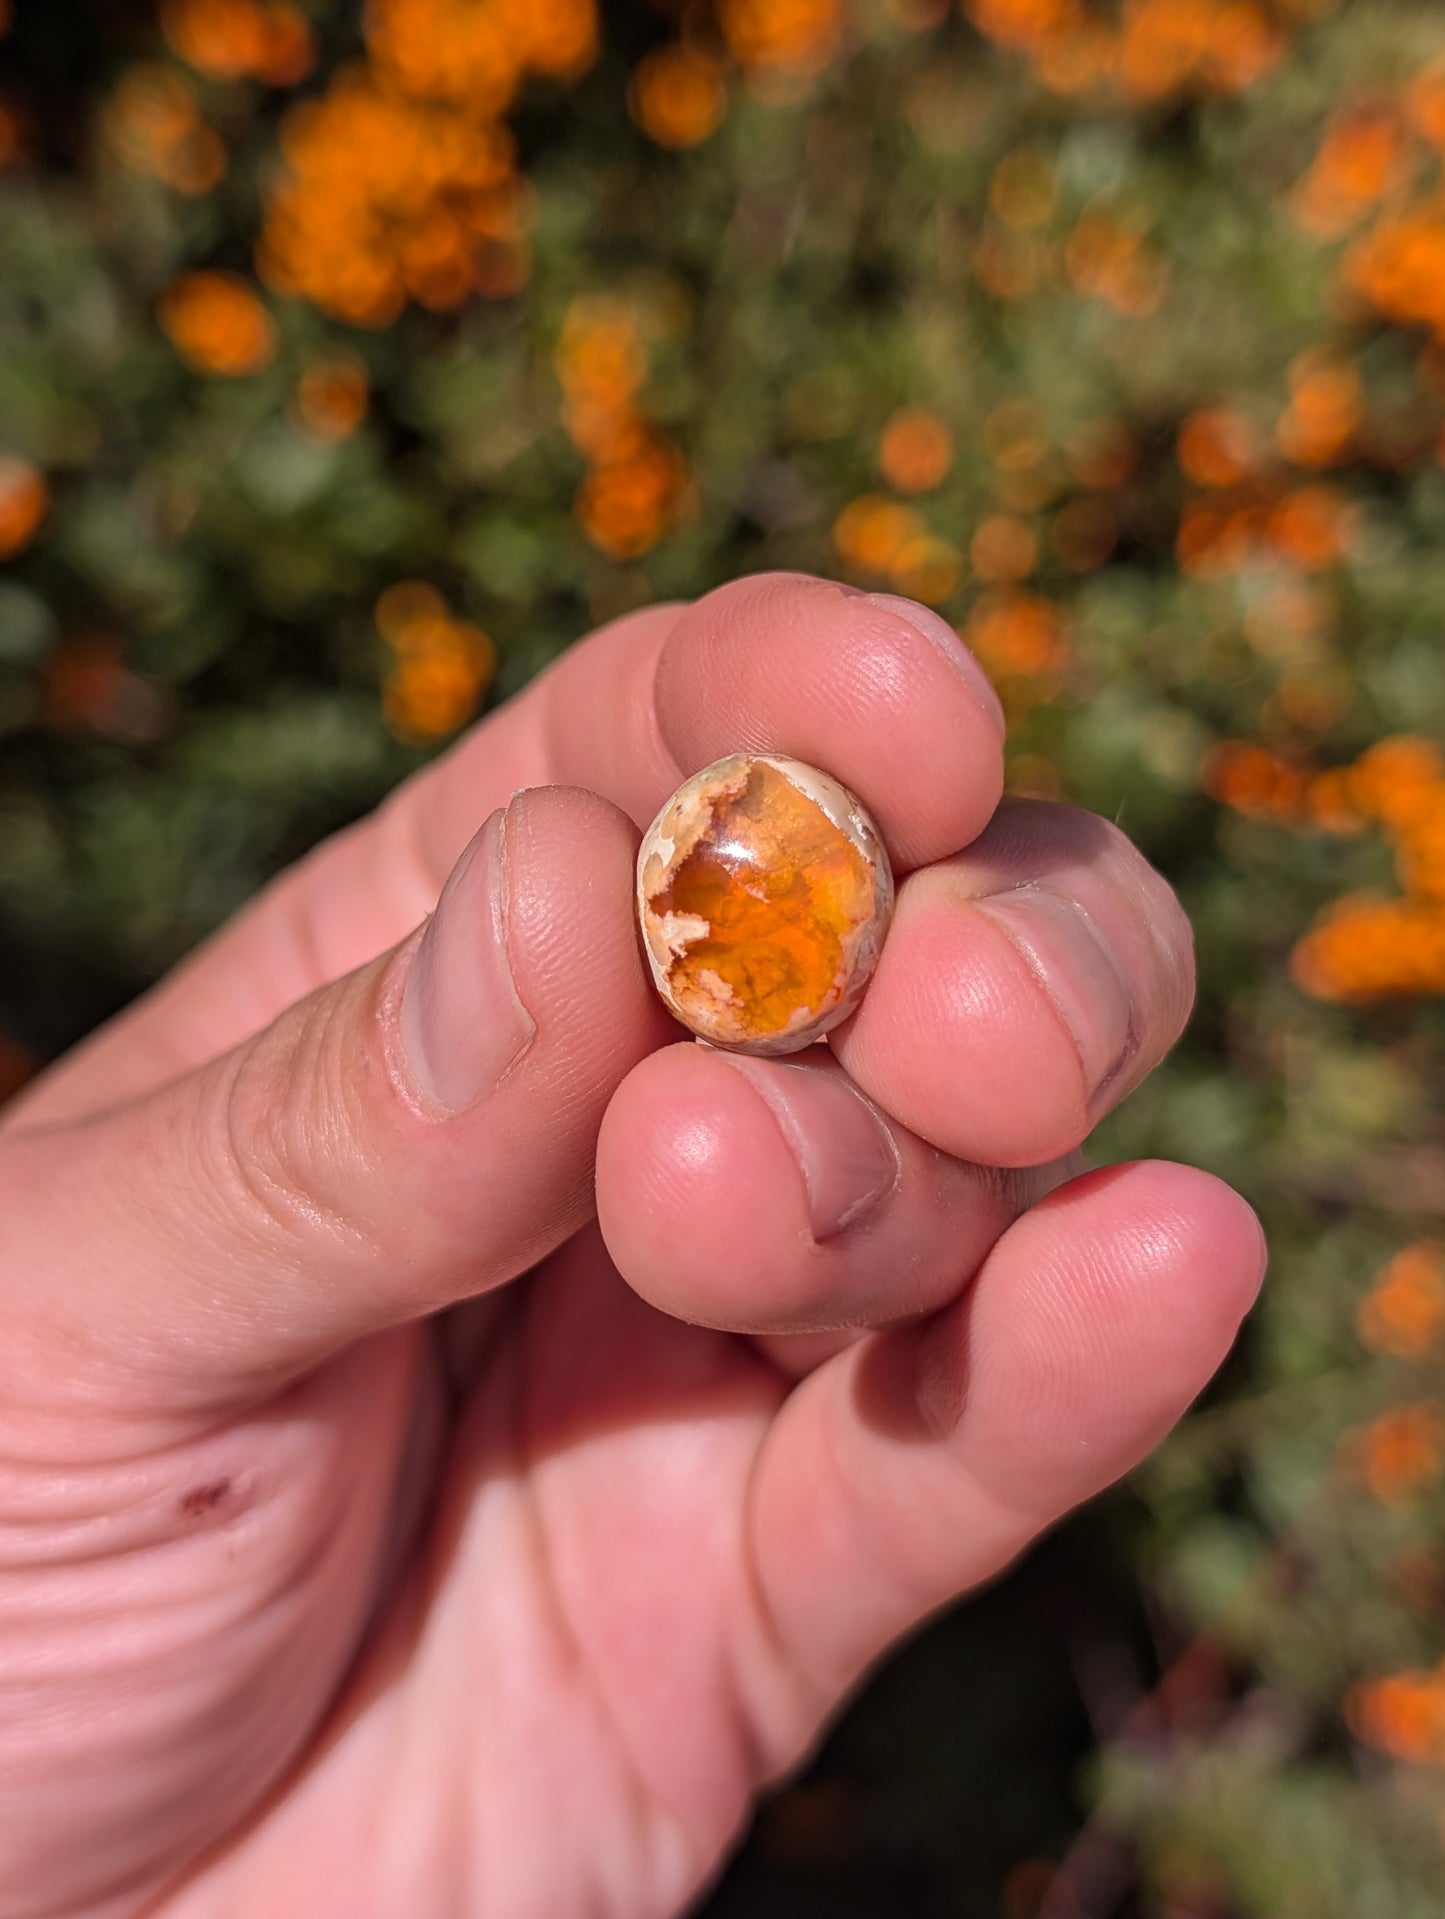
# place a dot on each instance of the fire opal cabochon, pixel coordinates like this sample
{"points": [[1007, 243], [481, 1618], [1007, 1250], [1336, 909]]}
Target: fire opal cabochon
{"points": [[764, 893]]}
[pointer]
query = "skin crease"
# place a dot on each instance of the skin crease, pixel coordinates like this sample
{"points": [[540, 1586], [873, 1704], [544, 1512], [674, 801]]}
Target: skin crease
{"points": [[412, 1502]]}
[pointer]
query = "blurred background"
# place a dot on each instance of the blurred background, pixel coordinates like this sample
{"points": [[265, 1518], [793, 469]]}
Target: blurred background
{"points": [[354, 361]]}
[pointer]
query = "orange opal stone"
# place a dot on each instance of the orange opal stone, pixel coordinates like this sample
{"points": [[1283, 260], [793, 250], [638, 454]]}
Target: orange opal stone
{"points": [[764, 894]]}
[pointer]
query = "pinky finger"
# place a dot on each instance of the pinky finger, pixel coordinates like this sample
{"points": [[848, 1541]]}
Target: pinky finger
{"points": [[920, 1461]]}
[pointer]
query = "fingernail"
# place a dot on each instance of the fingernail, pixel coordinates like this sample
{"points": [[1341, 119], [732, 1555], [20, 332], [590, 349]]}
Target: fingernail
{"points": [[461, 1022], [934, 627], [1070, 958], [844, 1152]]}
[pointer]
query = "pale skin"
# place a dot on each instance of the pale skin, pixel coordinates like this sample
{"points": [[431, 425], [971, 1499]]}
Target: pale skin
{"points": [[460, 1439]]}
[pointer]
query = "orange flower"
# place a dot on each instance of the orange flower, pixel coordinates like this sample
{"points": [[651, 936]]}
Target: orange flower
{"points": [[1018, 635], [601, 363], [1426, 103], [406, 608], [1028, 25], [1403, 1714], [472, 53], [442, 666], [1404, 1312], [1313, 526], [1365, 948], [153, 123], [556, 37], [1361, 157], [1325, 408], [916, 451], [625, 503], [1252, 780], [387, 199], [1215, 447], [1399, 781], [926, 569], [1399, 267], [1214, 540], [216, 324], [331, 397], [24, 502], [1400, 1453], [1328, 802], [234, 39], [677, 96], [1163, 43], [872, 532], [801, 35]]}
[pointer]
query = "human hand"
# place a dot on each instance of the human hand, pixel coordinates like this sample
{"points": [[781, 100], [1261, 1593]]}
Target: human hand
{"points": [[383, 1533]]}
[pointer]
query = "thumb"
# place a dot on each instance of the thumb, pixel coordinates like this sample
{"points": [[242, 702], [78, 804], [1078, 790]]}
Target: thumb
{"points": [[412, 1134]]}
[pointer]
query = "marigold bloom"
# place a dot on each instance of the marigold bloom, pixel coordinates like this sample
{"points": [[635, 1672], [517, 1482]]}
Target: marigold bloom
{"points": [[331, 397], [557, 37], [1018, 635], [1402, 1714], [1399, 780], [1313, 526], [1425, 103], [601, 362], [1215, 447], [388, 199], [442, 666], [1399, 267], [1400, 1453], [872, 532], [1325, 408], [678, 96], [927, 569], [24, 502], [1365, 948], [216, 323], [915, 451], [1404, 1312], [1027, 25], [626, 503], [1250, 779], [1361, 157], [234, 39], [801, 35]]}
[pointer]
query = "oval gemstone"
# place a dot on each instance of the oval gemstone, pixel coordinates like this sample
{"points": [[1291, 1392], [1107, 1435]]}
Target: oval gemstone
{"points": [[764, 893]]}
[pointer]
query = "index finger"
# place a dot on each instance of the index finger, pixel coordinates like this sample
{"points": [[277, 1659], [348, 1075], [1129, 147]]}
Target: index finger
{"points": [[877, 690]]}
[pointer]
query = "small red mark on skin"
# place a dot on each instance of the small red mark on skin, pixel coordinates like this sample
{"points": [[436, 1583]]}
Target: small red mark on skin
{"points": [[204, 1499]]}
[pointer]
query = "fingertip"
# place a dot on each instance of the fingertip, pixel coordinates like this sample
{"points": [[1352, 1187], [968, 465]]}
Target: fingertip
{"points": [[683, 1139], [840, 680]]}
